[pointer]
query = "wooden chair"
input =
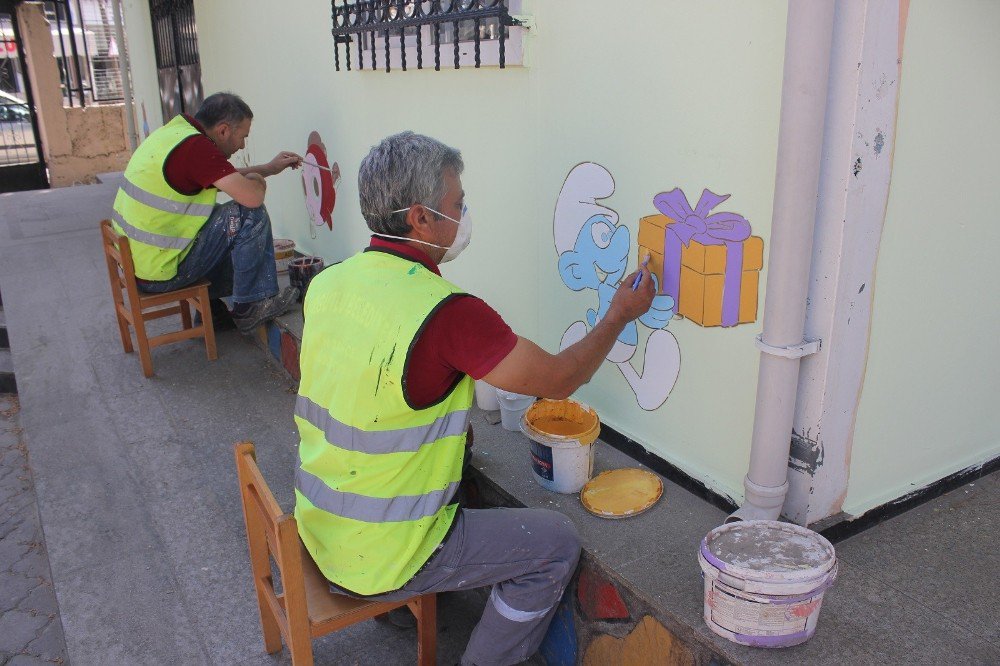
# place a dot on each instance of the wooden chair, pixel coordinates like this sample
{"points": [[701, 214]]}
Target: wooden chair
{"points": [[305, 608], [135, 314]]}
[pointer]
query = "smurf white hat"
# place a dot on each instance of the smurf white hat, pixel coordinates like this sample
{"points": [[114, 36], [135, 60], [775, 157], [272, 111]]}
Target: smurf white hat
{"points": [[577, 203]]}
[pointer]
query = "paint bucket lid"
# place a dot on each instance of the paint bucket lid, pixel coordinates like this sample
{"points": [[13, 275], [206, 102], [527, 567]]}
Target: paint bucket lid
{"points": [[620, 493], [561, 423], [768, 551]]}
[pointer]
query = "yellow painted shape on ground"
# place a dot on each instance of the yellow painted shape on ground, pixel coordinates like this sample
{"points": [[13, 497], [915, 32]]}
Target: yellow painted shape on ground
{"points": [[649, 644]]}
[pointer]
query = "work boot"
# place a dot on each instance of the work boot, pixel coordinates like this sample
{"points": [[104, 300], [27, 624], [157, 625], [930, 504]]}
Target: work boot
{"points": [[222, 318], [265, 310]]}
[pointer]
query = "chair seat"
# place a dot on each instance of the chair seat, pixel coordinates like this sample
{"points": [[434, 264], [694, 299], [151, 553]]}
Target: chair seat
{"points": [[184, 292], [325, 605]]}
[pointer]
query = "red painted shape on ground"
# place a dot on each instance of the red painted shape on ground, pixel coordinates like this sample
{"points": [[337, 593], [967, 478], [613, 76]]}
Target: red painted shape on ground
{"points": [[290, 355], [599, 599]]}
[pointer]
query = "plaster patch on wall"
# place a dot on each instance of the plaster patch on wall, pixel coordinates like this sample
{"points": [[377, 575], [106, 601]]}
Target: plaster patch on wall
{"points": [[806, 453]]}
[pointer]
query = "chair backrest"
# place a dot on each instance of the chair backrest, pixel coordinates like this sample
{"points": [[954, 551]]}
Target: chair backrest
{"points": [[271, 534], [121, 269]]}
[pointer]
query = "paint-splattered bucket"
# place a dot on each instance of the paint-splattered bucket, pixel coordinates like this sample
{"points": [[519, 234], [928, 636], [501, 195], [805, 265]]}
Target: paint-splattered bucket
{"points": [[284, 252], [562, 434], [301, 271], [764, 581]]}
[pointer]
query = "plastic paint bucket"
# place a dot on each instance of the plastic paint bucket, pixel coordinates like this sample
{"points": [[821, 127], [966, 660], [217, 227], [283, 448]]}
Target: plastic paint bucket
{"points": [[764, 581], [512, 407], [284, 252], [486, 396], [562, 434]]}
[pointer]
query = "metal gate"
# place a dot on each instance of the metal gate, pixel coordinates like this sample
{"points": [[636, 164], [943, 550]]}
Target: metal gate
{"points": [[175, 40], [22, 166]]}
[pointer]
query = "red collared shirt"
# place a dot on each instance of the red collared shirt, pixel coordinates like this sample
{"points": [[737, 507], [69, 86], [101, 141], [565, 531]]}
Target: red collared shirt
{"points": [[196, 163], [466, 336]]}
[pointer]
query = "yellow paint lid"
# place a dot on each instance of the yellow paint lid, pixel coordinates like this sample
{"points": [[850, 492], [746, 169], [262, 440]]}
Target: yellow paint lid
{"points": [[620, 493]]}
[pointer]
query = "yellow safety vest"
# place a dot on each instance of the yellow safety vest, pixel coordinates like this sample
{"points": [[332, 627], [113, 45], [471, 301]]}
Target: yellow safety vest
{"points": [[376, 481], [159, 221]]}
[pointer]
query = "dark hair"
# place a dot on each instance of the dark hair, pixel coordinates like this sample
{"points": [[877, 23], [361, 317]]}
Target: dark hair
{"points": [[222, 107]]}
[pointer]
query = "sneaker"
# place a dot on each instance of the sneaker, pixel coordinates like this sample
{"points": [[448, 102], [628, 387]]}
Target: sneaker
{"points": [[265, 310]]}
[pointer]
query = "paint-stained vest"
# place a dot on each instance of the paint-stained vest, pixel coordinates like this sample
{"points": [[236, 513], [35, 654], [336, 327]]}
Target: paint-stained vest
{"points": [[376, 479], [159, 221]]}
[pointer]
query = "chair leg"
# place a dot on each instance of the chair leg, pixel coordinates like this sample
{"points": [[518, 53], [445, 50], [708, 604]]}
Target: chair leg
{"points": [[268, 626], [143, 341], [205, 307], [126, 334], [185, 313], [300, 646], [425, 608]]}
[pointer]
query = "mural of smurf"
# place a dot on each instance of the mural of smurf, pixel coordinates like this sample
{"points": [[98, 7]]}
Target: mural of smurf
{"points": [[593, 252]]}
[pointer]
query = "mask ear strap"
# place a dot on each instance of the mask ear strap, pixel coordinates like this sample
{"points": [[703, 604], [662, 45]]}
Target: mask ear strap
{"points": [[411, 240]]}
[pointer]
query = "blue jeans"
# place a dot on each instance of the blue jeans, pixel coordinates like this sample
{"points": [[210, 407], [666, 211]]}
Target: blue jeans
{"points": [[234, 250]]}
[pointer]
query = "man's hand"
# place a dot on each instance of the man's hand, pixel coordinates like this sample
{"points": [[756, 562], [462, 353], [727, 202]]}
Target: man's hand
{"points": [[282, 161], [627, 305]]}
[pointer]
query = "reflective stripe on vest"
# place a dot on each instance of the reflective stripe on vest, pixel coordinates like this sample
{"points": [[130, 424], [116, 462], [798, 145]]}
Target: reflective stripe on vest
{"points": [[164, 204], [148, 237], [376, 476], [380, 441], [371, 509], [160, 222]]}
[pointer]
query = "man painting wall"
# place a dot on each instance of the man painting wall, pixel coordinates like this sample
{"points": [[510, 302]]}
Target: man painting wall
{"points": [[389, 353], [179, 234]]}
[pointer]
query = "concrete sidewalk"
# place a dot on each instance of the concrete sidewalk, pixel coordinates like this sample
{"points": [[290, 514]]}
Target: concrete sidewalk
{"points": [[138, 500], [135, 478]]}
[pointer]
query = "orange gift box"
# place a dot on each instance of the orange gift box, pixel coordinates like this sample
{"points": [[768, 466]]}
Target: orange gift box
{"points": [[702, 285]]}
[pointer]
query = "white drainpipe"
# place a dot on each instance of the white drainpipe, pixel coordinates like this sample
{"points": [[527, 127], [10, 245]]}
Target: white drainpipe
{"points": [[800, 142]]}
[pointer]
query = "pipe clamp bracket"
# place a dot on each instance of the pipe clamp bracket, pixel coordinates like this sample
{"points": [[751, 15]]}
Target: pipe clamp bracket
{"points": [[804, 348]]}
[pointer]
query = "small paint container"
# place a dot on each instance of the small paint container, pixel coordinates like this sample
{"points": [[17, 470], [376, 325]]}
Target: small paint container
{"points": [[284, 252], [765, 581], [301, 271]]}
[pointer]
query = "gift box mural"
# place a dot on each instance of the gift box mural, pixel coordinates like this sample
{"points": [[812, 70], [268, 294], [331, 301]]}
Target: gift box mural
{"points": [[709, 263]]}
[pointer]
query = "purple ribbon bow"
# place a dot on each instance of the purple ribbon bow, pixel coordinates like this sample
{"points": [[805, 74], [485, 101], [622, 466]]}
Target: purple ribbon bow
{"points": [[729, 229]]}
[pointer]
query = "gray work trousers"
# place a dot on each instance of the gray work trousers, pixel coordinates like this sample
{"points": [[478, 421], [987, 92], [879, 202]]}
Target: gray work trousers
{"points": [[527, 555]]}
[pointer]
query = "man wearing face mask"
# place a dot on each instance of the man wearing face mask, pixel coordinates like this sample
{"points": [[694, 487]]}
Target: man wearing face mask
{"points": [[177, 232], [390, 350]]}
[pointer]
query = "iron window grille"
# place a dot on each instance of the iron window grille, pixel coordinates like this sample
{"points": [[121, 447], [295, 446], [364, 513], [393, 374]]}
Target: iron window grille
{"points": [[86, 51], [391, 26]]}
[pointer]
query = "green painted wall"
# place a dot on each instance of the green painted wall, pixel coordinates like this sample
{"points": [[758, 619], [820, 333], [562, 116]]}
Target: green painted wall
{"points": [[933, 377], [679, 94], [142, 60]]}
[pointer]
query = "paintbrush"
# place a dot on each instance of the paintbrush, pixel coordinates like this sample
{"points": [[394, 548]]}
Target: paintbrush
{"points": [[638, 278]]}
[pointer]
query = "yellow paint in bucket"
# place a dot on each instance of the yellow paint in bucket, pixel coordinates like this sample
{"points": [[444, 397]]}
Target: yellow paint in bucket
{"points": [[562, 434]]}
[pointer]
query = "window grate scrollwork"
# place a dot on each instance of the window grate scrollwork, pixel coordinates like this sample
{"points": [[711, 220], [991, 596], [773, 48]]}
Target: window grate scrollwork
{"points": [[367, 25]]}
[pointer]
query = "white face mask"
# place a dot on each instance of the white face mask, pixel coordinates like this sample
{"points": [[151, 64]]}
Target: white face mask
{"points": [[462, 237]]}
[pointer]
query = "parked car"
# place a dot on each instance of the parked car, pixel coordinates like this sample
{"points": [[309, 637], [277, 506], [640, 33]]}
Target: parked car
{"points": [[17, 139], [12, 109]]}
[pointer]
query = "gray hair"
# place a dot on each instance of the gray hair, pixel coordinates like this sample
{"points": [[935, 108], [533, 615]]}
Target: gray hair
{"points": [[223, 107], [402, 170]]}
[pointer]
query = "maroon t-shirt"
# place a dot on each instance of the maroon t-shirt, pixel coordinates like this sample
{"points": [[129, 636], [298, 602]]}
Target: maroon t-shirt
{"points": [[196, 163], [465, 336]]}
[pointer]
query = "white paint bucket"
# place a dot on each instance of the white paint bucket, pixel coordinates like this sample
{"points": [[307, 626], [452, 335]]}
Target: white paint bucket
{"points": [[486, 396], [562, 434], [512, 408], [764, 581]]}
